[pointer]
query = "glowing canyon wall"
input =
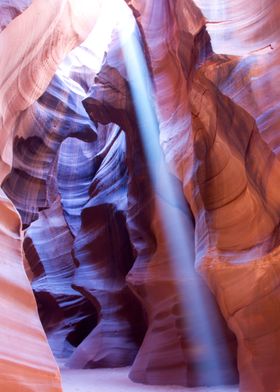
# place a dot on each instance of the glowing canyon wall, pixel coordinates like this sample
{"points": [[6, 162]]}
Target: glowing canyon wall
{"points": [[183, 288]]}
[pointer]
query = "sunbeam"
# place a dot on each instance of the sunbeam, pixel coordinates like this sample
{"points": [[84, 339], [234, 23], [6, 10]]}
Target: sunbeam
{"points": [[178, 228]]}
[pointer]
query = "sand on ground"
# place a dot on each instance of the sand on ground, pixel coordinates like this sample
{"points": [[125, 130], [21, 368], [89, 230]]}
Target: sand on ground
{"points": [[116, 380]]}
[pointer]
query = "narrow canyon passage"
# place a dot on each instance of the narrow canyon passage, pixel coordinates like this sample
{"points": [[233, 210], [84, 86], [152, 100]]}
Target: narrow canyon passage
{"points": [[139, 202]]}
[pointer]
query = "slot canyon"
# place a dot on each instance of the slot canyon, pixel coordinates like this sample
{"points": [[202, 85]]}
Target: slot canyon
{"points": [[140, 194]]}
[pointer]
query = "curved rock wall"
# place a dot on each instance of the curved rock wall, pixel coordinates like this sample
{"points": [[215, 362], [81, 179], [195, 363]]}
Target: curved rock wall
{"points": [[32, 44], [230, 178], [97, 249]]}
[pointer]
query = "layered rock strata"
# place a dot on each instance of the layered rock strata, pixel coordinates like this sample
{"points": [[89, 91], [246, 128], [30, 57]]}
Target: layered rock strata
{"points": [[109, 278], [29, 59]]}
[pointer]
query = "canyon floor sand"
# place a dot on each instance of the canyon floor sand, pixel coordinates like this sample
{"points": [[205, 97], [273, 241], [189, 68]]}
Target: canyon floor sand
{"points": [[116, 380]]}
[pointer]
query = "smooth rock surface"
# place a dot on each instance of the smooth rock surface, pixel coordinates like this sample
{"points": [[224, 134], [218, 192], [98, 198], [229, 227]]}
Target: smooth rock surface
{"points": [[97, 248], [32, 44]]}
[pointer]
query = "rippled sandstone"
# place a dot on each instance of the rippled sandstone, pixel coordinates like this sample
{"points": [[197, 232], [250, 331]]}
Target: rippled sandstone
{"points": [[97, 248]]}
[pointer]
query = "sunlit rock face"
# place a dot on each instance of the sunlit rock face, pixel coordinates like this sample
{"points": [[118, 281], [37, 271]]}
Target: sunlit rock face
{"points": [[32, 44], [97, 250], [11, 9]]}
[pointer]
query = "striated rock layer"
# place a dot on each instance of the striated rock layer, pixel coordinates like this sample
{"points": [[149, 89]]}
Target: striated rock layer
{"points": [[32, 45], [100, 251], [168, 354], [230, 180]]}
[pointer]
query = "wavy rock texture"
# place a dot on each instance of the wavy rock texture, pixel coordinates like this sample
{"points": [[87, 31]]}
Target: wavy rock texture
{"points": [[58, 138], [104, 255], [167, 355], [26, 360], [67, 317], [230, 181], [95, 242], [27, 65], [41, 129], [10, 10]]}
